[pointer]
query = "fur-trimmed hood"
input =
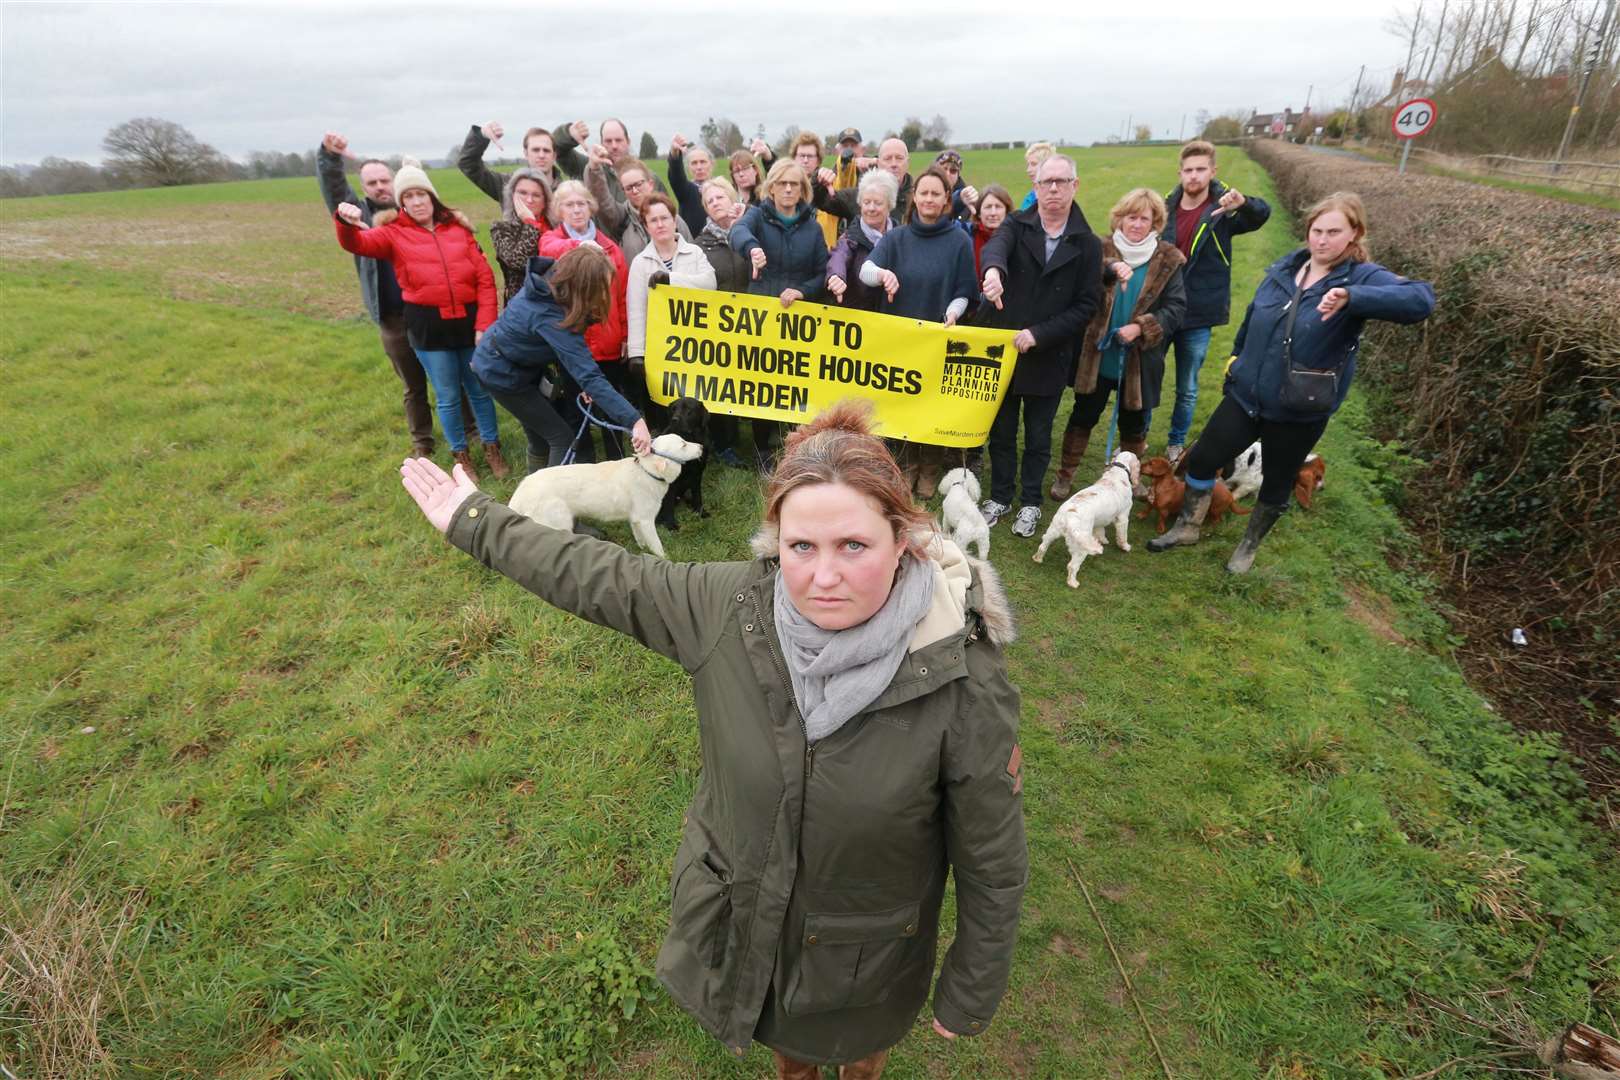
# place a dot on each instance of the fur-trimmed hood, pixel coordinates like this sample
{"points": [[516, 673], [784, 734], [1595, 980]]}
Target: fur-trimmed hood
{"points": [[389, 216], [955, 575]]}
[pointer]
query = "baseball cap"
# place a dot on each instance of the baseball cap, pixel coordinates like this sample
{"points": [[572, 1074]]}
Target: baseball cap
{"points": [[849, 135]]}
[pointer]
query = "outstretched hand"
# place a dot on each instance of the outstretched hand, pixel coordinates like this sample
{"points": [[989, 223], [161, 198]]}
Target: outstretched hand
{"points": [[437, 494]]}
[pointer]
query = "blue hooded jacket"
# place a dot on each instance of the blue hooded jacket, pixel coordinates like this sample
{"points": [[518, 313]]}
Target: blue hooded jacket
{"points": [[1255, 380], [795, 252], [529, 338]]}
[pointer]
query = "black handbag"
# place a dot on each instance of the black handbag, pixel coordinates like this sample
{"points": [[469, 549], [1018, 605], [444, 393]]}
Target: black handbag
{"points": [[1304, 390]]}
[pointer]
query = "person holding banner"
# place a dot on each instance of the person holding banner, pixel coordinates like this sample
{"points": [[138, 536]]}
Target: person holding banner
{"points": [[782, 240], [1123, 348], [1043, 274], [540, 337], [606, 338], [732, 272], [877, 192], [925, 271], [783, 244], [668, 257], [806, 899]]}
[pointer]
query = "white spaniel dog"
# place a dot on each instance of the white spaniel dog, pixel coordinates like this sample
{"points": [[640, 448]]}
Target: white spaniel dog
{"points": [[629, 489], [1083, 519], [960, 512]]}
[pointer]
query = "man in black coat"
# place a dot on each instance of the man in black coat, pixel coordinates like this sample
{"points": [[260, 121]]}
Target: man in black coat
{"points": [[1043, 276]]}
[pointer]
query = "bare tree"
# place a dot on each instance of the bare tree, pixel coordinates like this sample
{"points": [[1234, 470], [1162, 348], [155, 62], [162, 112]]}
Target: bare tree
{"points": [[161, 152]]}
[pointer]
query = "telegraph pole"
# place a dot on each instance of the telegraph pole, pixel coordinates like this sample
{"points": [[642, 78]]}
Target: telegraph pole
{"points": [[1580, 92]]}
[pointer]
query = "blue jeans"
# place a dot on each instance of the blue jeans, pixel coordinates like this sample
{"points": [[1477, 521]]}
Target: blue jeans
{"points": [[450, 371], [1191, 346]]}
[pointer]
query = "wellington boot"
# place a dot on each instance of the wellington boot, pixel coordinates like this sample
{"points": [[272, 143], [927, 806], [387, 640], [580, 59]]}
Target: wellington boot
{"points": [[464, 459], [1260, 522], [1185, 532], [497, 464], [1074, 448]]}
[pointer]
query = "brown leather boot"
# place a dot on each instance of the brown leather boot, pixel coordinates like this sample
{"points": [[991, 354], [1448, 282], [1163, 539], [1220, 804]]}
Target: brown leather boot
{"points": [[464, 459], [792, 1069], [928, 471], [868, 1068], [422, 449], [1074, 448], [497, 464]]}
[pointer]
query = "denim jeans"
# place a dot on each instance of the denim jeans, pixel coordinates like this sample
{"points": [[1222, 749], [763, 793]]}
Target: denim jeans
{"points": [[1191, 346], [450, 371]]}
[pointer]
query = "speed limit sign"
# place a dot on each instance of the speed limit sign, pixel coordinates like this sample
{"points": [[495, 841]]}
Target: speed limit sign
{"points": [[1413, 118]]}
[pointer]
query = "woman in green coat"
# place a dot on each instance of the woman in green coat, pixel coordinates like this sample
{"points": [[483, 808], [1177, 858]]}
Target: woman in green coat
{"points": [[859, 739]]}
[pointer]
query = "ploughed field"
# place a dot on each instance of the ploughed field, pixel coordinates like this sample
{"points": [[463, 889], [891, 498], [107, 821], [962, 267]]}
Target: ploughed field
{"points": [[352, 806]]}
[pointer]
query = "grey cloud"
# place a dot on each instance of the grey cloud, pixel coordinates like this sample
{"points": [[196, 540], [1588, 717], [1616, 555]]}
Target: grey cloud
{"points": [[411, 79]]}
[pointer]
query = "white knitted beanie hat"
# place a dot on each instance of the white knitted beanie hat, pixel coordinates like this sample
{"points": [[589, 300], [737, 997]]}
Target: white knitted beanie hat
{"points": [[411, 177]]}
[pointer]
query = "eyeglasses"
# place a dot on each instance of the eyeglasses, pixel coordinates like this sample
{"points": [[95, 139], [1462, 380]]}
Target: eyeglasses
{"points": [[636, 186], [1055, 184]]}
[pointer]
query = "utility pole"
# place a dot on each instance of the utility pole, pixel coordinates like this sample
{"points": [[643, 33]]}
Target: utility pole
{"points": [[1182, 137], [1130, 132], [1355, 112], [1580, 92]]}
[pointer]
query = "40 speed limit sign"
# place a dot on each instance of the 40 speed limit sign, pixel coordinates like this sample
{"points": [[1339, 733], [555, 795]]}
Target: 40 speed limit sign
{"points": [[1411, 119]]}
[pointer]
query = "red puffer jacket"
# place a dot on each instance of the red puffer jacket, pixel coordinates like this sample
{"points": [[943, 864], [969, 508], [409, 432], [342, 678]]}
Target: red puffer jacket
{"points": [[442, 267], [605, 339]]}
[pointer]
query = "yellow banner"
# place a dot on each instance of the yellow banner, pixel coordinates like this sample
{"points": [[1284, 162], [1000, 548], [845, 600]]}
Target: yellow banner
{"points": [[748, 356]]}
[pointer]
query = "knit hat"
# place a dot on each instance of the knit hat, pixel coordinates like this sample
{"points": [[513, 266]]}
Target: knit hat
{"points": [[411, 177]]}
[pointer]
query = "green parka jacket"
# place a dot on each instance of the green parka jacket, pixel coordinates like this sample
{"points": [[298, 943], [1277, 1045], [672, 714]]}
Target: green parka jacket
{"points": [[806, 891]]}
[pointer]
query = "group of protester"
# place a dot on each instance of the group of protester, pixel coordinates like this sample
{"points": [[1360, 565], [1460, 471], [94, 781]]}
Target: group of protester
{"points": [[1095, 314], [807, 891]]}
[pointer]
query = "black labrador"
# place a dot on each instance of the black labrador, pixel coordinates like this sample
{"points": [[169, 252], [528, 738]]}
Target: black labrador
{"points": [[688, 418]]}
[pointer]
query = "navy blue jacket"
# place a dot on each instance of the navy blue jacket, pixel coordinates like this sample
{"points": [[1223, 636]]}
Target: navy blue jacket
{"points": [[1052, 298], [795, 253], [1208, 273], [1255, 381], [934, 264], [529, 338]]}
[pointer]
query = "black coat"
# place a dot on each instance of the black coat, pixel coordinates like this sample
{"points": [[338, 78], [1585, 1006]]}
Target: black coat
{"points": [[1053, 299]]}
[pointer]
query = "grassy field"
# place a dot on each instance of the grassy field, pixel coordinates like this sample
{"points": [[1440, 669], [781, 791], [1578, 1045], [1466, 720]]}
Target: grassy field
{"points": [[291, 788]]}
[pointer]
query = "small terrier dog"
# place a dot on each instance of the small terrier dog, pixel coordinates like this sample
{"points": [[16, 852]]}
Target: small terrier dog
{"points": [[961, 515]]}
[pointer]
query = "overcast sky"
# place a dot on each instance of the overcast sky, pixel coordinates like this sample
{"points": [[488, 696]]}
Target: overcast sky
{"points": [[406, 79]]}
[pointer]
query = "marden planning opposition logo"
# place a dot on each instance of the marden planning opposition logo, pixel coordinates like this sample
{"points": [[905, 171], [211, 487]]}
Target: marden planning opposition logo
{"points": [[971, 378]]}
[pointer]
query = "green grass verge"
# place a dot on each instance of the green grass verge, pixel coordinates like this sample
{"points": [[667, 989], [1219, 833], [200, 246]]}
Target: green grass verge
{"points": [[358, 808]]}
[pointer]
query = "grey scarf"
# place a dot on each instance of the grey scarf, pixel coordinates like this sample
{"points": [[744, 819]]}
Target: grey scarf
{"points": [[837, 673]]}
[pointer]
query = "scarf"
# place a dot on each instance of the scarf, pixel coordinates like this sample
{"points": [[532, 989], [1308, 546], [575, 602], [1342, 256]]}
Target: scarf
{"points": [[588, 234], [837, 673], [871, 233], [716, 231], [1135, 255]]}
